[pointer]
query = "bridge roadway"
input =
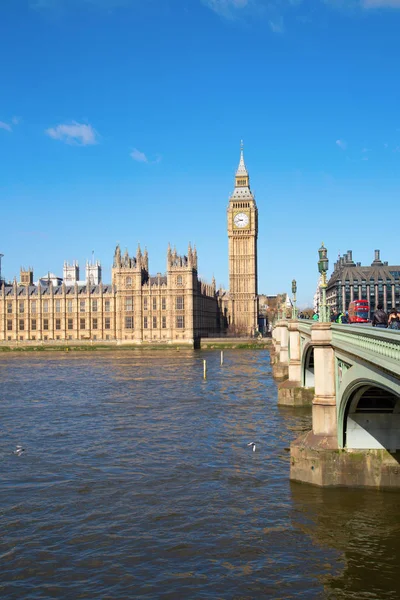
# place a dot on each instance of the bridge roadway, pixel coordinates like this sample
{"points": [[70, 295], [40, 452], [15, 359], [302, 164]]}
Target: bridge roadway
{"points": [[350, 375]]}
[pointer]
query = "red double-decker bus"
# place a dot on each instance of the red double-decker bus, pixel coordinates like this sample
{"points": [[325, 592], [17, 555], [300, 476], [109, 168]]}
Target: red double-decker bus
{"points": [[358, 311]]}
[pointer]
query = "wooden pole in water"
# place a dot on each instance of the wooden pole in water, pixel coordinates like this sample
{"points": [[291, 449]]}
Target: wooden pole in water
{"points": [[204, 369], [222, 357]]}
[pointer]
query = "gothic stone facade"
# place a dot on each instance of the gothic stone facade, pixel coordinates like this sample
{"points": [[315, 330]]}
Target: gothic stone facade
{"points": [[135, 308], [241, 303]]}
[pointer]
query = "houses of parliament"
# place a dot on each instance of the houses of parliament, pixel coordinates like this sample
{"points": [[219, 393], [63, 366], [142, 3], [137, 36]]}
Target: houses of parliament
{"points": [[136, 307]]}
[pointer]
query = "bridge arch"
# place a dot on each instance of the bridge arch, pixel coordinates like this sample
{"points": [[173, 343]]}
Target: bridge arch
{"points": [[369, 416], [307, 366]]}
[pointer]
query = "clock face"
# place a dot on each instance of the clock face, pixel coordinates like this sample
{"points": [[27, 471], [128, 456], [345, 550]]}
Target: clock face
{"points": [[241, 219]]}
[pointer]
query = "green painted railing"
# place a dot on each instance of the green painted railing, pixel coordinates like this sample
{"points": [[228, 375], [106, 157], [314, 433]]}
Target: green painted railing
{"points": [[305, 326], [379, 346]]}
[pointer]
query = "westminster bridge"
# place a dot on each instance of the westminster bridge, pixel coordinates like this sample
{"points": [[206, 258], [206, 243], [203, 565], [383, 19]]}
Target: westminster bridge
{"points": [[350, 375]]}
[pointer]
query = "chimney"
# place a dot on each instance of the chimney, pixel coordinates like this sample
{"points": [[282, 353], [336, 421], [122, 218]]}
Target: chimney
{"points": [[377, 260]]}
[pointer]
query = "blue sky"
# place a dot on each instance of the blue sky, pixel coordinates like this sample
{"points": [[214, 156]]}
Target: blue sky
{"points": [[121, 121]]}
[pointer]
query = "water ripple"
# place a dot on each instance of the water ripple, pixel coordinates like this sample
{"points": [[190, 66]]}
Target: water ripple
{"points": [[137, 482]]}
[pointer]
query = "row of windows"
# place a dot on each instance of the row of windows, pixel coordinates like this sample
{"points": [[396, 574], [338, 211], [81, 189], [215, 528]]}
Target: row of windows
{"points": [[129, 323], [371, 283], [241, 205], [57, 306], [129, 281], [57, 324], [179, 303], [180, 322]]}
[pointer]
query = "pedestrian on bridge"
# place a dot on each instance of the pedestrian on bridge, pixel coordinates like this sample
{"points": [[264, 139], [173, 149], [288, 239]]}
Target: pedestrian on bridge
{"points": [[380, 318], [394, 319]]}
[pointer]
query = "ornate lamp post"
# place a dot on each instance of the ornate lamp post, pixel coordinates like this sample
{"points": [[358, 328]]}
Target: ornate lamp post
{"points": [[294, 290], [323, 265]]}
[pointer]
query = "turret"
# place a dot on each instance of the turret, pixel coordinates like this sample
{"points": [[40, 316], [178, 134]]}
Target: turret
{"points": [[117, 257], [26, 276], [125, 259], [145, 261], [194, 258]]}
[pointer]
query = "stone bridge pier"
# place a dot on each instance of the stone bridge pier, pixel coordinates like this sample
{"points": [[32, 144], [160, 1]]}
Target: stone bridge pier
{"points": [[350, 376], [279, 356], [293, 391]]}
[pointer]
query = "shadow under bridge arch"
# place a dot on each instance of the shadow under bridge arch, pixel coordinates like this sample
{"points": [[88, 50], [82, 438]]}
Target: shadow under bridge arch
{"points": [[371, 418], [307, 367]]}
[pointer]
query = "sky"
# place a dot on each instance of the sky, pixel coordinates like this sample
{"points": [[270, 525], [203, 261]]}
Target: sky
{"points": [[121, 121]]}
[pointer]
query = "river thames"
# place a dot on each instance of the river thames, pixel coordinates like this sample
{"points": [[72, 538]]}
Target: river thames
{"points": [[137, 482]]}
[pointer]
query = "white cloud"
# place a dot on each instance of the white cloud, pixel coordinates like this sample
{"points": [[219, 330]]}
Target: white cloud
{"points": [[139, 156], [8, 126], [342, 144], [226, 8], [5, 126], [74, 133], [276, 26]]}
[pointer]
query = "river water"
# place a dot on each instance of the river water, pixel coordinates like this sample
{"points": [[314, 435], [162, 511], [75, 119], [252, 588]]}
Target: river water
{"points": [[137, 482]]}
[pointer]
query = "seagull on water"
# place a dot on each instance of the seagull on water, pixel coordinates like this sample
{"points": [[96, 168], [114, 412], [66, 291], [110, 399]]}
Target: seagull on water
{"points": [[19, 450], [253, 445]]}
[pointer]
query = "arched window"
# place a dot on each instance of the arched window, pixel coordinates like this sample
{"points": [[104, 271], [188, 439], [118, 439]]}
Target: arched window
{"points": [[128, 282]]}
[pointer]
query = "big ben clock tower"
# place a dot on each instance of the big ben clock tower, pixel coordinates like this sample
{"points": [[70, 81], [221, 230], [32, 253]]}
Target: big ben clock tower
{"points": [[242, 235]]}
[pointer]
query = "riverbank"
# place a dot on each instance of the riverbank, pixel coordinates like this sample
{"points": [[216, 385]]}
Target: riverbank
{"points": [[88, 346], [235, 343]]}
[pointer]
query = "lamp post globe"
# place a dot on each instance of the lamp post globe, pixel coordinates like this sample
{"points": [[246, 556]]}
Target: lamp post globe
{"points": [[323, 266], [294, 291]]}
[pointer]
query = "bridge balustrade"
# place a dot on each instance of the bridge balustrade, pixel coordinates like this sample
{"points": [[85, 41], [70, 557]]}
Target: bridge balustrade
{"points": [[381, 346], [353, 373]]}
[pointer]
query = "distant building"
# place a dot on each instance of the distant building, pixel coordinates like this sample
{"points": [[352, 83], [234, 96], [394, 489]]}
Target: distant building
{"points": [[378, 283], [49, 279], [93, 273], [267, 310], [317, 295], [26, 276], [71, 273]]}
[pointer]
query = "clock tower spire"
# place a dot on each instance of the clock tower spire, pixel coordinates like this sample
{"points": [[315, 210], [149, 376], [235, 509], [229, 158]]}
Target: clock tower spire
{"points": [[242, 238], [242, 176]]}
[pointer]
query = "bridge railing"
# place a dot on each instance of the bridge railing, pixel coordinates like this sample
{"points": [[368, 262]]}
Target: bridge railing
{"points": [[378, 346], [305, 326]]}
